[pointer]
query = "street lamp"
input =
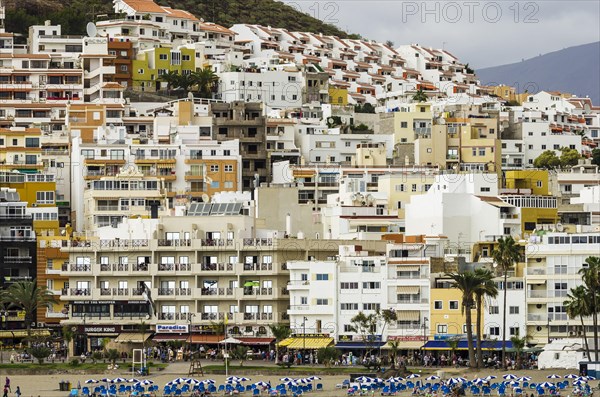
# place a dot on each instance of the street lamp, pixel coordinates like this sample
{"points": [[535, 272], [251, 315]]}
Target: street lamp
{"points": [[425, 319], [304, 333]]}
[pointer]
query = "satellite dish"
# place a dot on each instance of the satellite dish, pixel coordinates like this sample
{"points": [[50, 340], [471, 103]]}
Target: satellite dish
{"points": [[91, 29], [559, 227], [205, 198], [330, 120]]}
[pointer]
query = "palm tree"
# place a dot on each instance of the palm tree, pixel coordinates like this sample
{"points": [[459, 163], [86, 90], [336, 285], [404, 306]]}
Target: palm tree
{"points": [[578, 305], [394, 348], [171, 78], [591, 280], [505, 256], [206, 80], [28, 297], [486, 288], [280, 332], [519, 345], [467, 283], [420, 96]]}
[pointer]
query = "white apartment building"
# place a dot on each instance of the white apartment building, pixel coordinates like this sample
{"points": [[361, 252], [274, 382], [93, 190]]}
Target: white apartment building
{"points": [[48, 38], [553, 263], [463, 207], [516, 310]]}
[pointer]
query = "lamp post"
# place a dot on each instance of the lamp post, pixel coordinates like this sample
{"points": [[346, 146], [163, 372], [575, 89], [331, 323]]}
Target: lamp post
{"points": [[425, 319], [304, 333], [548, 326]]}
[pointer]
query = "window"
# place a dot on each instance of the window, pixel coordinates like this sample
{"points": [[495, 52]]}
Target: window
{"points": [[45, 197], [371, 306], [494, 310], [371, 285], [413, 187], [348, 144], [228, 168], [322, 277], [348, 285], [163, 57], [304, 300], [214, 168], [453, 305], [322, 302], [32, 142], [539, 184], [348, 328], [513, 331], [543, 147], [438, 305], [494, 331], [442, 329], [513, 309], [349, 306], [482, 151], [404, 124]]}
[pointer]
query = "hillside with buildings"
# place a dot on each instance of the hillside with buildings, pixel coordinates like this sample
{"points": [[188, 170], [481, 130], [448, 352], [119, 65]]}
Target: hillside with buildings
{"points": [[295, 178]]}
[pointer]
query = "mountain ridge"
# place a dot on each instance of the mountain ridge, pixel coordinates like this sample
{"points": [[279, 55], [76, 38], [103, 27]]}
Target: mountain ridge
{"points": [[553, 71]]}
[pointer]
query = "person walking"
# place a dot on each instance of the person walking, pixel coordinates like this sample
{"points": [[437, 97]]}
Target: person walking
{"points": [[18, 391], [5, 391], [7, 384]]}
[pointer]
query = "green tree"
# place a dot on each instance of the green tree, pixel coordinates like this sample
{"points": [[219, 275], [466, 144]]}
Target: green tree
{"points": [[364, 108], [468, 69], [389, 43], [240, 353], [569, 157], [206, 80], [420, 96], [487, 287], [505, 256], [519, 345], [467, 283], [28, 297], [40, 352], [596, 156], [453, 345], [591, 280], [280, 332], [548, 160], [172, 79], [96, 356], [394, 348], [68, 334], [578, 305], [112, 355], [366, 327], [328, 355]]}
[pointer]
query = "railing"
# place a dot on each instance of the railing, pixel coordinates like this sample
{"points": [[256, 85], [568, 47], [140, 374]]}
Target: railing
{"points": [[105, 291], [537, 317], [178, 267], [300, 307], [209, 316], [140, 267], [216, 243], [74, 267], [114, 267], [257, 242], [183, 316], [166, 316], [137, 291], [123, 243], [217, 266], [251, 316], [285, 291], [77, 291], [166, 291], [174, 243], [265, 316], [17, 259], [412, 300], [558, 316], [535, 271], [121, 291], [183, 291]]}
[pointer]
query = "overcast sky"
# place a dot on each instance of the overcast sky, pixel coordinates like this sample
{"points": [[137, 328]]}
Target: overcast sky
{"points": [[482, 33]]}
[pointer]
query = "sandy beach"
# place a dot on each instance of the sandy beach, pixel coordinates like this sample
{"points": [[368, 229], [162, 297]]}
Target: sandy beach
{"points": [[47, 385]]}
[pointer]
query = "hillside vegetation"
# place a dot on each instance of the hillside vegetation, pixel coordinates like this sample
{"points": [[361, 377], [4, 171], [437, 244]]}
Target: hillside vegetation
{"points": [[74, 14]]}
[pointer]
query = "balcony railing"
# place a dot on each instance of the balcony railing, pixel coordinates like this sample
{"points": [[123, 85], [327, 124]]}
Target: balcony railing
{"points": [[209, 316], [216, 243], [537, 294], [178, 267], [114, 267], [17, 259], [536, 271], [166, 291], [174, 243], [166, 316], [75, 267], [77, 291], [217, 267], [257, 242], [125, 243], [183, 291]]}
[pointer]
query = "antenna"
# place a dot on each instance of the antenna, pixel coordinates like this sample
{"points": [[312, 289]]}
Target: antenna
{"points": [[91, 29]]}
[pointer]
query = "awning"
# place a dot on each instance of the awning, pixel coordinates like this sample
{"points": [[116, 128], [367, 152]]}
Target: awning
{"points": [[201, 339], [401, 268], [408, 289], [308, 343], [132, 337], [408, 315], [405, 345], [462, 345], [170, 337], [358, 345], [22, 333], [256, 341]]}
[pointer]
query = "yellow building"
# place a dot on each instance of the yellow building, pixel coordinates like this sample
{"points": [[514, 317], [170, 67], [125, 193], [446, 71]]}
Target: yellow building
{"points": [[400, 186], [338, 96], [20, 150], [529, 191], [152, 63], [446, 315], [413, 121], [50, 262]]}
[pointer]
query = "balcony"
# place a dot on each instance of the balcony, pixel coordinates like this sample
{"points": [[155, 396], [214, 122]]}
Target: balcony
{"points": [[536, 271], [258, 291], [216, 292], [166, 316], [257, 242], [537, 293], [256, 267], [216, 243], [177, 267], [217, 267], [76, 291], [17, 259], [114, 267], [166, 291], [537, 317], [56, 315], [118, 243], [74, 267], [296, 285]]}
